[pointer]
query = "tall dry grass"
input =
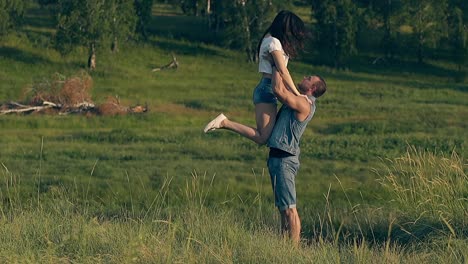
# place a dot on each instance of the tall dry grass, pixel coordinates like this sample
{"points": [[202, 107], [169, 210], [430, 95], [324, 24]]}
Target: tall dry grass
{"points": [[178, 225], [429, 186]]}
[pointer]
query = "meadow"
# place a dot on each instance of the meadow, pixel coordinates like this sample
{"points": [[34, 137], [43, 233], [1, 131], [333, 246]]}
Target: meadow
{"points": [[383, 175]]}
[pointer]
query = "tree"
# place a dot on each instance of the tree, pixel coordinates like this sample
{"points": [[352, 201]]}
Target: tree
{"points": [[458, 37], [243, 22], [388, 11], [44, 3], [11, 14], [428, 21], [93, 23], [143, 9], [190, 7], [81, 23], [122, 19], [336, 28]]}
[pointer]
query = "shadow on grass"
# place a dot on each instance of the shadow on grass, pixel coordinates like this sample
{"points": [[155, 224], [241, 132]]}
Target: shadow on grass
{"points": [[402, 232], [115, 136], [400, 68], [22, 56], [205, 105], [184, 48], [39, 25], [39, 35], [192, 28], [40, 18], [412, 82], [364, 63]]}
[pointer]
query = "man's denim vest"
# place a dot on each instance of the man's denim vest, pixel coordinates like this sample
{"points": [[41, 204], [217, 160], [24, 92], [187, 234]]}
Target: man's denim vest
{"points": [[288, 130]]}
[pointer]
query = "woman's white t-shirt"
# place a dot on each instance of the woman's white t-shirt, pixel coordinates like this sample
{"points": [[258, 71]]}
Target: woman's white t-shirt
{"points": [[265, 60]]}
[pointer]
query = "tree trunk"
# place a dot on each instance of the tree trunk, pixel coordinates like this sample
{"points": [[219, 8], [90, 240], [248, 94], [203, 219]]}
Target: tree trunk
{"points": [[115, 47], [336, 44], [387, 39], [420, 47], [420, 32], [92, 58], [245, 22]]}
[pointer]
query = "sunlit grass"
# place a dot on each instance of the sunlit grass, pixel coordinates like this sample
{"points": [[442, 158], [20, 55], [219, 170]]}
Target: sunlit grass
{"points": [[154, 188], [188, 223], [425, 185]]}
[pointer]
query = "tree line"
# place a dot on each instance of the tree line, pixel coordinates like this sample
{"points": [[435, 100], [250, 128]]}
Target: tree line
{"points": [[90, 23], [418, 25], [337, 25], [336, 29]]}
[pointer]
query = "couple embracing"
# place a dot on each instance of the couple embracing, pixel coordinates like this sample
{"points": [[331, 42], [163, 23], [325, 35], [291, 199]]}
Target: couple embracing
{"points": [[280, 130]]}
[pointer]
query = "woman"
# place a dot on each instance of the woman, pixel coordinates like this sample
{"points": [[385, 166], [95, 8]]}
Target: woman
{"points": [[282, 40]]}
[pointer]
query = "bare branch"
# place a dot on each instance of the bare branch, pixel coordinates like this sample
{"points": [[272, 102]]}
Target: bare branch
{"points": [[23, 110], [173, 64]]}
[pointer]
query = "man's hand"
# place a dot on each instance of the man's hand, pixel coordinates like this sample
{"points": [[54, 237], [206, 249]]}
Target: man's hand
{"points": [[285, 96], [306, 97], [302, 95]]}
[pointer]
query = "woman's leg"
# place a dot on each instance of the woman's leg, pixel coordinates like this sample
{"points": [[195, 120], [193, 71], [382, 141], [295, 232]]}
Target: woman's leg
{"points": [[265, 116]]}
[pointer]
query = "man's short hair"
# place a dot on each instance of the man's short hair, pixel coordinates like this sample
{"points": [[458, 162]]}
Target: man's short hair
{"points": [[320, 86]]}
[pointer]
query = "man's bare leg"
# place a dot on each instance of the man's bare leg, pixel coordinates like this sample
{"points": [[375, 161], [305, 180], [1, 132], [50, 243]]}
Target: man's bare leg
{"points": [[291, 223]]}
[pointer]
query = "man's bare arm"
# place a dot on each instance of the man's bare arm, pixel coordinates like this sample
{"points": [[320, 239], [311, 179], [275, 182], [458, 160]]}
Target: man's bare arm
{"points": [[298, 103]]}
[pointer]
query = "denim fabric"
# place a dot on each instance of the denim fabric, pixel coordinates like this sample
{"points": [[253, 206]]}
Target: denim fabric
{"points": [[263, 93], [283, 173]]}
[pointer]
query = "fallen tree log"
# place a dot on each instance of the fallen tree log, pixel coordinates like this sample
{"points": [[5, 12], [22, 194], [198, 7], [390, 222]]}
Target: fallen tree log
{"points": [[84, 107], [25, 109], [17, 108], [107, 108], [172, 64], [68, 96]]}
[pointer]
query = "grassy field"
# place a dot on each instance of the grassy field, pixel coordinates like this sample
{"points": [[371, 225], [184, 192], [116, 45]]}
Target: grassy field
{"points": [[383, 165]]}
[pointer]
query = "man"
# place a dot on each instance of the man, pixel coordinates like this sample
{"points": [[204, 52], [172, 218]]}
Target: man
{"points": [[283, 160]]}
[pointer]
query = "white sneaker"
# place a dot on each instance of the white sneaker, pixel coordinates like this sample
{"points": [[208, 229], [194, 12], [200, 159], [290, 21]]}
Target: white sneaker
{"points": [[215, 123]]}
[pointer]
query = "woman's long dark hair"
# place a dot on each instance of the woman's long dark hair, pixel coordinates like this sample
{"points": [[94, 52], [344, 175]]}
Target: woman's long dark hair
{"points": [[290, 30]]}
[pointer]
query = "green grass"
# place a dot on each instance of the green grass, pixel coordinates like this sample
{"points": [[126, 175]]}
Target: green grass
{"points": [[154, 188], [191, 223]]}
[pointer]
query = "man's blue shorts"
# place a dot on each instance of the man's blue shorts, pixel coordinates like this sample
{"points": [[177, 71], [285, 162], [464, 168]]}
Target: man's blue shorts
{"points": [[263, 93], [283, 173]]}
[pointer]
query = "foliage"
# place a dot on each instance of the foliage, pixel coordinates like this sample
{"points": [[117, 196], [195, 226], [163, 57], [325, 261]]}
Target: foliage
{"points": [[193, 7], [81, 24], [47, 2], [458, 36], [336, 28], [143, 10], [93, 22], [428, 19], [427, 22], [11, 14], [388, 13], [123, 20], [386, 27], [244, 22], [237, 24]]}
